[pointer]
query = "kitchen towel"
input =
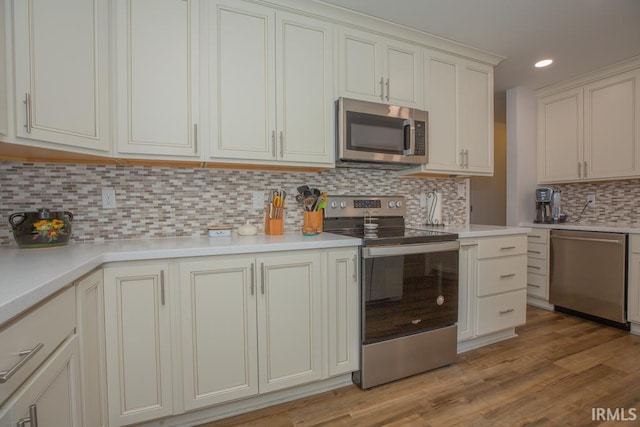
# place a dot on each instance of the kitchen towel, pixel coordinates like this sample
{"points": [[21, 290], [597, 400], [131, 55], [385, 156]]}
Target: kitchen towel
{"points": [[434, 208]]}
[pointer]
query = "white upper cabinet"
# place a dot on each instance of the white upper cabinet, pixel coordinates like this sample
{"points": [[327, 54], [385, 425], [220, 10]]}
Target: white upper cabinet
{"points": [[459, 98], [590, 132], [271, 83], [157, 80], [61, 72], [560, 136], [379, 69]]}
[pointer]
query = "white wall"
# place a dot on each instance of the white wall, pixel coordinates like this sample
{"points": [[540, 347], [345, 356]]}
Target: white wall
{"points": [[521, 155]]}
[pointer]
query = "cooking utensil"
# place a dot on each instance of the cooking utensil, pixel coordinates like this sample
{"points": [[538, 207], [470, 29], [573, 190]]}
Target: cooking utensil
{"points": [[42, 228], [322, 203], [309, 203]]}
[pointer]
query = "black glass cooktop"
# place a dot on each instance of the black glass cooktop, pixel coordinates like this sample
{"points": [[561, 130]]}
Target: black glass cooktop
{"points": [[393, 236]]}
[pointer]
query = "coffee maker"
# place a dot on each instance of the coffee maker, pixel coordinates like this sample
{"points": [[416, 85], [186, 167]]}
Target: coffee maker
{"points": [[548, 207]]}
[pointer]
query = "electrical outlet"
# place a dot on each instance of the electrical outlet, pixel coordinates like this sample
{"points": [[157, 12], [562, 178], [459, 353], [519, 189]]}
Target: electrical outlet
{"points": [[423, 200], [591, 199], [462, 189], [109, 198], [257, 200]]}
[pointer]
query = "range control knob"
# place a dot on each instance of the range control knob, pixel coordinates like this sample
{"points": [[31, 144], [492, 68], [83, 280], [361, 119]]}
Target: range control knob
{"points": [[334, 205], [391, 204], [398, 204], [343, 205]]}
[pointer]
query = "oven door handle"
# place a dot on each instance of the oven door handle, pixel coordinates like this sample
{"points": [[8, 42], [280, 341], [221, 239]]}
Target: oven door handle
{"points": [[396, 250]]}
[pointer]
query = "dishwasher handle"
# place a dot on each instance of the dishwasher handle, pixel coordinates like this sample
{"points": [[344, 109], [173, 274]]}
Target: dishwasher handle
{"points": [[590, 239]]}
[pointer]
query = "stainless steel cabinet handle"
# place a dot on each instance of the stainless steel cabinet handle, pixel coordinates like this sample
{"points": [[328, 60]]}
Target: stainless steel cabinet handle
{"points": [[466, 158], [273, 143], [586, 169], [355, 268], [579, 170], [281, 144], [195, 137], [509, 310], [381, 89], [533, 252], [262, 277], [505, 248], [387, 84], [535, 286], [534, 236], [25, 356], [535, 267], [468, 245], [31, 419], [461, 158], [253, 267], [27, 104], [162, 299], [506, 276]]}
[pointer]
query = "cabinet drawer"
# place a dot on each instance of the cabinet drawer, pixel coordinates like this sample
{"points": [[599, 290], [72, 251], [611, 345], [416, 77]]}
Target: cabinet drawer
{"points": [[502, 311], [501, 274], [634, 243], [32, 338], [538, 285], [502, 246], [539, 235], [537, 250], [538, 266]]}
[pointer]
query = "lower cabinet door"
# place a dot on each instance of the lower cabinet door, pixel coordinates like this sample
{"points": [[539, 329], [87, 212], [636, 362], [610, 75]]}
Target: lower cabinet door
{"points": [[219, 330], [138, 333], [51, 396], [343, 311], [502, 311], [289, 319]]}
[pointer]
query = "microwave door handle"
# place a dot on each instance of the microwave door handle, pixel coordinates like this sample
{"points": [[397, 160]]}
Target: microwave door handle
{"points": [[409, 147]]}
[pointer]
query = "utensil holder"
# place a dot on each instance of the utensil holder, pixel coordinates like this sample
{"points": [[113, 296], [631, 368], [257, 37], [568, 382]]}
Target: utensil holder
{"points": [[312, 220], [273, 226]]}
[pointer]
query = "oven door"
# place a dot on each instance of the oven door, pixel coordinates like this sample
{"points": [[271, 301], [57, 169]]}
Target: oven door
{"points": [[408, 289]]}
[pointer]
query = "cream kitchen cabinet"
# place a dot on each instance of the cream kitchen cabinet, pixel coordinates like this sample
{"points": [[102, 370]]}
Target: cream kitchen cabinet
{"points": [[590, 132], [271, 86], [492, 293], [633, 290], [538, 268], [379, 69], [137, 317], [61, 73], [39, 370], [459, 98], [90, 331], [51, 396], [250, 324], [342, 309], [157, 77], [467, 284]]}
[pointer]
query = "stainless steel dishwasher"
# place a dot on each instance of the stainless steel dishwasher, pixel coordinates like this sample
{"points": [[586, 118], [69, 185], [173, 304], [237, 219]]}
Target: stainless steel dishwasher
{"points": [[588, 275]]}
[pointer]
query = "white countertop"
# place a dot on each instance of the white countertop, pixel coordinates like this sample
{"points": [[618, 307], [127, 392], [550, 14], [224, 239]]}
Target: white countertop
{"points": [[28, 276], [631, 228], [479, 230]]}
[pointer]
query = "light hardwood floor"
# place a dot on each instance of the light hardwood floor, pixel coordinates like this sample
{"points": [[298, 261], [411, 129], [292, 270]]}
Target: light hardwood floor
{"points": [[553, 374]]}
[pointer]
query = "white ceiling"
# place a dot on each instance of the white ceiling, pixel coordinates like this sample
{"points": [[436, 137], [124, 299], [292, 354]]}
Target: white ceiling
{"points": [[580, 35]]}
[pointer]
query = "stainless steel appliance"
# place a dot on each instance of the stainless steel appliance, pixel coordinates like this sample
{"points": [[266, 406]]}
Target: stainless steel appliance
{"points": [[588, 275], [409, 288], [548, 206], [379, 134]]}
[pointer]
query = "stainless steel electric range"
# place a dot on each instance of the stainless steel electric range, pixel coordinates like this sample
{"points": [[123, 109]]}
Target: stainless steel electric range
{"points": [[409, 288]]}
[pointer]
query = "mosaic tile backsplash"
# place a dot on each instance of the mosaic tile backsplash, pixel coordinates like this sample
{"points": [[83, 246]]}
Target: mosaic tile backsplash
{"points": [[171, 202], [616, 201]]}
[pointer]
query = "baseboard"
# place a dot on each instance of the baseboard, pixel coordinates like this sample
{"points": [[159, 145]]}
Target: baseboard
{"points": [[540, 303], [635, 329], [482, 341]]}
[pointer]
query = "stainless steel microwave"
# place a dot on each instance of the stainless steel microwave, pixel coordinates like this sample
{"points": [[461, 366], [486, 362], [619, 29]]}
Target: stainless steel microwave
{"points": [[374, 133]]}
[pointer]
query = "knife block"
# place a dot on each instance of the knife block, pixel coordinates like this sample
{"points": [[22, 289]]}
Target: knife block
{"points": [[273, 226]]}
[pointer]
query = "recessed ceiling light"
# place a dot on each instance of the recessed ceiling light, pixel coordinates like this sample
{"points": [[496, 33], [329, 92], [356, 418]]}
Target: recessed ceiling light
{"points": [[543, 63]]}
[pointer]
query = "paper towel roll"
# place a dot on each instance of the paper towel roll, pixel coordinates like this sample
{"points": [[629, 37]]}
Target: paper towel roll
{"points": [[434, 208]]}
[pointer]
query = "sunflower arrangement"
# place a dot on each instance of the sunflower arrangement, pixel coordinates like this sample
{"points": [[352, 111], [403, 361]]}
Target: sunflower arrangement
{"points": [[49, 229]]}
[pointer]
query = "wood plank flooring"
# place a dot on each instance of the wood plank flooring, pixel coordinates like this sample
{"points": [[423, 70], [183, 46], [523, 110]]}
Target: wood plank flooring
{"points": [[553, 374]]}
